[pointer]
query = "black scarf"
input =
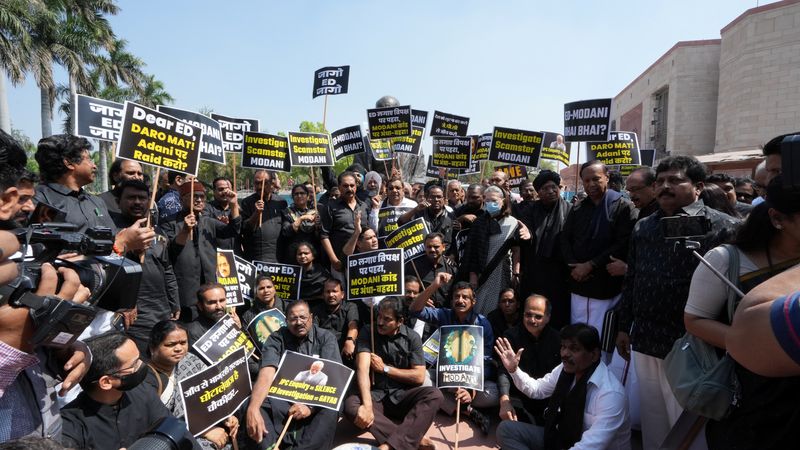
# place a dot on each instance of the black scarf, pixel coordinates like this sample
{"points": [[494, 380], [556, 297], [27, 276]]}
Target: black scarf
{"points": [[547, 224], [564, 414]]}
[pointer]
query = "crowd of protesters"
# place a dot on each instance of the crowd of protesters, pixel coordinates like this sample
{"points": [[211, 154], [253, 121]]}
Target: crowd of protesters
{"points": [[543, 276]]}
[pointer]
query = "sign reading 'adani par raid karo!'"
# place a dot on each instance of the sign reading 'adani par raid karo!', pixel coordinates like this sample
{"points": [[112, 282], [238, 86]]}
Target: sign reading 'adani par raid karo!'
{"points": [[229, 278], [310, 381], [97, 118], [331, 81], [285, 277], [158, 139], [516, 174], [409, 144], [211, 145], [247, 277], [375, 273], [265, 151], [460, 363], [216, 392], [388, 217], [445, 124], [224, 338], [310, 149], [233, 131], [452, 152], [621, 148], [516, 146], [410, 238], [389, 122], [587, 120], [555, 148], [347, 141], [264, 324]]}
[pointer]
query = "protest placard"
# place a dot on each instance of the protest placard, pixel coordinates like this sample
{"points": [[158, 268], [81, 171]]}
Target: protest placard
{"points": [[233, 130], [264, 324], [430, 349], [516, 174], [347, 141], [216, 392], [481, 152], [587, 120], [211, 144], [460, 242], [265, 151], [516, 146], [331, 81], [375, 273], [409, 144], [387, 219], [310, 381], [310, 149], [452, 152], [555, 148], [228, 278], [389, 122], [444, 124], [622, 147], [224, 338], [474, 166], [460, 359], [286, 278], [96, 118], [648, 156], [430, 170], [419, 118], [381, 149], [158, 139], [247, 278], [410, 238]]}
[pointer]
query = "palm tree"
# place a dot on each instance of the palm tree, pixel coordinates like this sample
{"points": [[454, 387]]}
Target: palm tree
{"points": [[15, 45], [153, 93]]}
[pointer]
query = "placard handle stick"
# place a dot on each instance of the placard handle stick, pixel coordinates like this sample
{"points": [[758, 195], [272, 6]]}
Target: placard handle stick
{"points": [[483, 170], [260, 213], [324, 111], [283, 433], [386, 168], [191, 208], [577, 166], [150, 206], [234, 171], [416, 272], [458, 419], [372, 332], [314, 187]]}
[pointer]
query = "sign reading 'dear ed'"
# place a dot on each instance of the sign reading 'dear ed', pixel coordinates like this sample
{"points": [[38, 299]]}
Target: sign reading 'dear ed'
{"points": [[622, 147], [516, 146], [452, 152], [216, 392], [265, 151], [310, 149], [410, 238], [331, 81], [444, 124], [96, 118], [389, 122], [229, 278], [409, 144], [211, 144], [311, 381], [224, 338], [375, 273], [587, 120], [285, 277], [347, 141], [233, 130], [460, 359], [555, 148], [158, 139], [247, 277]]}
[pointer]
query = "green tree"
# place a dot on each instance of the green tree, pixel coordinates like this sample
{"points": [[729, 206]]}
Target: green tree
{"points": [[15, 47]]}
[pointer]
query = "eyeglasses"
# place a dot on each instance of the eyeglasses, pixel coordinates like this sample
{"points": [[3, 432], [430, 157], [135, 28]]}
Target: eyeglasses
{"points": [[135, 366], [299, 193]]}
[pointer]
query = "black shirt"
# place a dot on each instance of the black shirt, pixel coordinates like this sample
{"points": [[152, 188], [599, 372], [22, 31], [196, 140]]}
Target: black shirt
{"points": [[318, 343], [262, 244], [498, 321], [427, 272], [336, 322], [89, 424], [217, 211], [81, 208], [198, 327], [338, 224], [438, 224], [402, 350]]}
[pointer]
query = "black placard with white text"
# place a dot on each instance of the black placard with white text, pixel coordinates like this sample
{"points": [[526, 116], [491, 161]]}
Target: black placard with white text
{"points": [[444, 124], [374, 274], [233, 130], [587, 120], [211, 144], [347, 141], [331, 81], [96, 118]]}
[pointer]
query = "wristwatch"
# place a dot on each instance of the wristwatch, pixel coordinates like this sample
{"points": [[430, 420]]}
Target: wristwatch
{"points": [[386, 370]]}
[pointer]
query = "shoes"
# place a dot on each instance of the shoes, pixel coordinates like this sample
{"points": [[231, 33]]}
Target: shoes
{"points": [[480, 419]]}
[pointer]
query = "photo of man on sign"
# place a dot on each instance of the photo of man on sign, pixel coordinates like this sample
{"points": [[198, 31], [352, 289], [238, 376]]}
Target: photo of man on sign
{"points": [[314, 375]]}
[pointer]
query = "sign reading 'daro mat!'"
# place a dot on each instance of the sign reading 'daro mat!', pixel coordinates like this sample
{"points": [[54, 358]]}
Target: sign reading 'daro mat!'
{"points": [[375, 273], [331, 81], [233, 130], [311, 381], [444, 124], [97, 118], [460, 359], [310, 149], [410, 238], [285, 277], [516, 146], [452, 152], [224, 338], [158, 139], [587, 120], [347, 141], [216, 392], [389, 122], [622, 147], [211, 145], [265, 151], [555, 148]]}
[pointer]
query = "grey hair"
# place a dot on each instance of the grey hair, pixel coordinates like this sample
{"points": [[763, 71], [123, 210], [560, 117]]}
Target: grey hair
{"points": [[495, 189]]}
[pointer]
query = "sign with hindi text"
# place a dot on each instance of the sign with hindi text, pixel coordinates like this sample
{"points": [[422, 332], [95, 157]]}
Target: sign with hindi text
{"points": [[228, 277], [331, 81], [444, 124], [389, 122], [233, 130], [409, 144], [96, 118], [224, 338], [285, 277], [387, 219], [211, 144], [621, 148], [452, 152], [247, 277], [375, 274]]}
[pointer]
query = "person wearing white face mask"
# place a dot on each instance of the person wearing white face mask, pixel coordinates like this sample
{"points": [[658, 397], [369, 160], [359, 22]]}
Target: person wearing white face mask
{"points": [[492, 257]]}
